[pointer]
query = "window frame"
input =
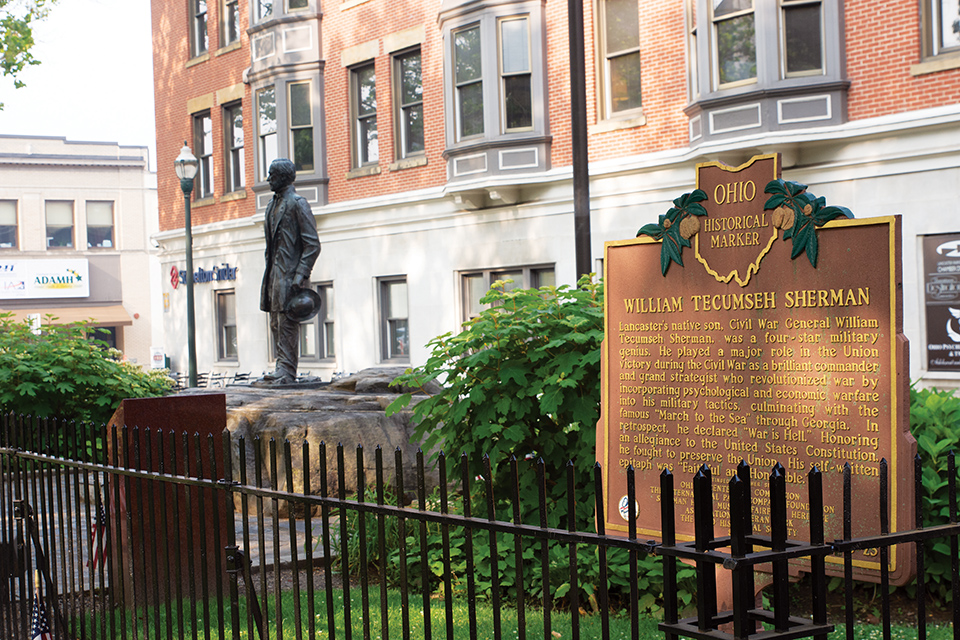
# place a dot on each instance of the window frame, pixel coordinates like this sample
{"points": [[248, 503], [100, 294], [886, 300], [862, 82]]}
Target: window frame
{"points": [[503, 76], [234, 156], [784, 6], [72, 227], [261, 15], [932, 20], [229, 22], [294, 128], [358, 121], [203, 149], [390, 325], [113, 224], [531, 277], [5, 228], [264, 139], [400, 108], [223, 317], [605, 56], [199, 32], [458, 87], [321, 327]]}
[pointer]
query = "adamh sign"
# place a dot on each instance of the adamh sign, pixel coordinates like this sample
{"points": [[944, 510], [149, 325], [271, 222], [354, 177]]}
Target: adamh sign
{"points": [[44, 279], [755, 322]]}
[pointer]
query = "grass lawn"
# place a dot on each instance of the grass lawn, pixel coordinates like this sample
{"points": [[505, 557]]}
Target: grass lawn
{"points": [[590, 625]]}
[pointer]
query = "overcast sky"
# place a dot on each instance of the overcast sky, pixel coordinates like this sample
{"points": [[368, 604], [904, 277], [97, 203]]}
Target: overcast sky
{"points": [[95, 82]]}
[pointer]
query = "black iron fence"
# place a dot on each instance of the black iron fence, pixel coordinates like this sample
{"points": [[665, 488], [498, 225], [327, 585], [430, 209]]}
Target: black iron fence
{"points": [[129, 533]]}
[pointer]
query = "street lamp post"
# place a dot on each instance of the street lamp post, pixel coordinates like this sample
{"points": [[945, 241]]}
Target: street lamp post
{"points": [[186, 166]]}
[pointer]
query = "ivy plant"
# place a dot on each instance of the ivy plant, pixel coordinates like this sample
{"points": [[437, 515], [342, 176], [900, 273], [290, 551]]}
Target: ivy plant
{"points": [[799, 214], [675, 228]]}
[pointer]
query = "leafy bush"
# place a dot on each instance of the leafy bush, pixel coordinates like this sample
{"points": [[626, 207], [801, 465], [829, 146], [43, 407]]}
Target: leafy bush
{"points": [[522, 380], [935, 423], [59, 372]]}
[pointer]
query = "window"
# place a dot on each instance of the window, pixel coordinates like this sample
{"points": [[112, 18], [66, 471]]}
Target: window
{"points": [[233, 137], [468, 81], [475, 284], [364, 104], [301, 126], [264, 9], [620, 56], [59, 223], [942, 33], [105, 335], [8, 224], [267, 129], [99, 224], [394, 319], [316, 335], [294, 5], [515, 74], [230, 29], [495, 90], [764, 66], [408, 92], [198, 27], [226, 325], [203, 148], [802, 38]]}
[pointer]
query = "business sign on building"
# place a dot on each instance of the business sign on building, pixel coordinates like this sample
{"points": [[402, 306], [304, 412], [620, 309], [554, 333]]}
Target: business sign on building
{"points": [[941, 297], [47, 279], [755, 323]]}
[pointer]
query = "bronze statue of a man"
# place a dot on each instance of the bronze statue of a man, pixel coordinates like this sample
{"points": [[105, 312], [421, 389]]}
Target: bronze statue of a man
{"points": [[292, 248]]}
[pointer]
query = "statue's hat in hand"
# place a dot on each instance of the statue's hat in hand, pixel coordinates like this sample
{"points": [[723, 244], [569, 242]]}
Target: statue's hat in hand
{"points": [[303, 305]]}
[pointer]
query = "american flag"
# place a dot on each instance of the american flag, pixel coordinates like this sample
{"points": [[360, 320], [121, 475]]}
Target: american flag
{"points": [[98, 538], [39, 627]]}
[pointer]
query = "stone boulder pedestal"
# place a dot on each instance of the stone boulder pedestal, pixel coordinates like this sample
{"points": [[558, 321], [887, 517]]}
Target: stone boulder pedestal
{"points": [[349, 411]]}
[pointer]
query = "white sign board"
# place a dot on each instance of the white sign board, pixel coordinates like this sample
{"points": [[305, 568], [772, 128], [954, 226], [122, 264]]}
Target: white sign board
{"points": [[27, 279]]}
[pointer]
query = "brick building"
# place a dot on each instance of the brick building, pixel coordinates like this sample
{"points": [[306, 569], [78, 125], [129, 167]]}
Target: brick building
{"points": [[433, 141]]}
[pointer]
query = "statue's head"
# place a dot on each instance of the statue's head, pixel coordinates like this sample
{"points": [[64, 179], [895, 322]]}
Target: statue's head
{"points": [[282, 173]]}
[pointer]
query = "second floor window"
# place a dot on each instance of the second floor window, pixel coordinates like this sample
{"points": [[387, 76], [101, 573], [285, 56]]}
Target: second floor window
{"points": [[409, 104], [59, 224], [734, 32], [620, 46], [301, 126], [364, 103], [198, 27], [266, 129], [264, 9], [203, 148], [230, 12], [8, 224], [233, 135], [515, 74], [100, 225], [468, 81]]}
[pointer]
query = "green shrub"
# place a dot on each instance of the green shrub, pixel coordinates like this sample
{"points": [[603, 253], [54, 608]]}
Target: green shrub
{"points": [[59, 372], [523, 380], [935, 423]]}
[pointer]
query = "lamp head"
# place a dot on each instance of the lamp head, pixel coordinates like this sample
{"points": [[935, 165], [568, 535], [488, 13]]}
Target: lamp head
{"points": [[186, 164]]}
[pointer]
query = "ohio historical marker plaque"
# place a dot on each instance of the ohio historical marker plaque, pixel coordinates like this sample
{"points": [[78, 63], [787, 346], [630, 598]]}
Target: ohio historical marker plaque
{"points": [[755, 322]]}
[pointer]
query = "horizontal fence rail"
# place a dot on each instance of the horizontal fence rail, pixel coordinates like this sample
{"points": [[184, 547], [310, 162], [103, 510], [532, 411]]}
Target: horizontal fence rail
{"points": [[139, 533]]}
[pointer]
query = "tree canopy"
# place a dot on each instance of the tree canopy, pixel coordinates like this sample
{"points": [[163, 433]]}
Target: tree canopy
{"points": [[17, 18]]}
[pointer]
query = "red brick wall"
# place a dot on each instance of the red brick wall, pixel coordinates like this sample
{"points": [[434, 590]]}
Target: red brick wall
{"points": [[174, 85], [342, 29], [883, 41]]}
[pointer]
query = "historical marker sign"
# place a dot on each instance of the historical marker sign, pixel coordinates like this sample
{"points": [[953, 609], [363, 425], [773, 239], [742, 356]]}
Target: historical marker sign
{"points": [[754, 322]]}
